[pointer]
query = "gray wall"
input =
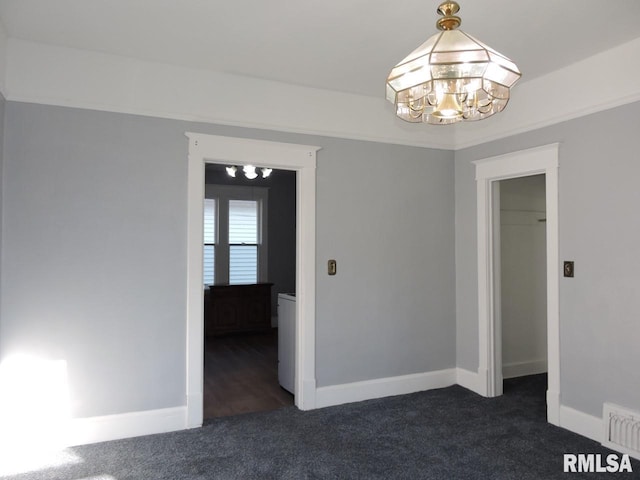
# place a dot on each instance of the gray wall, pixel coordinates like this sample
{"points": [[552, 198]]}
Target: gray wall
{"points": [[94, 261], [385, 214], [281, 234], [600, 231], [94, 253]]}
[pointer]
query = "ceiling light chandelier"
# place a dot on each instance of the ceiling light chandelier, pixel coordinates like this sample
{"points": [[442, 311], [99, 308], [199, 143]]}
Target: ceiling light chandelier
{"points": [[452, 77]]}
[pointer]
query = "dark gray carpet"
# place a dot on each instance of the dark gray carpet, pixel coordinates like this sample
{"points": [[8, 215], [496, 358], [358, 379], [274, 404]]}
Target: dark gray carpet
{"points": [[445, 434]]}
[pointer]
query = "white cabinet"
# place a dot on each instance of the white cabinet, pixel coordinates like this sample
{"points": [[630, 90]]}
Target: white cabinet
{"points": [[287, 340]]}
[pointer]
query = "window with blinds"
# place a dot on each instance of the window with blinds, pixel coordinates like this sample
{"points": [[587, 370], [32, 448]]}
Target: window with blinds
{"points": [[209, 241], [243, 241], [235, 246]]}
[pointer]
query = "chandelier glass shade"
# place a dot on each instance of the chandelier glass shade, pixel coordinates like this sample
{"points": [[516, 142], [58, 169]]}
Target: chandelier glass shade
{"points": [[452, 77]]}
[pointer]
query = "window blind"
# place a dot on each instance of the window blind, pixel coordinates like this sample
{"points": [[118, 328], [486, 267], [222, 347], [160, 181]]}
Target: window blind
{"points": [[209, 241], [243, 241]]}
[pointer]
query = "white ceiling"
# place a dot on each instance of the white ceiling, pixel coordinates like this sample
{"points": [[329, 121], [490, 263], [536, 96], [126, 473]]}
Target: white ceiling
{"points": [[343, 45]]}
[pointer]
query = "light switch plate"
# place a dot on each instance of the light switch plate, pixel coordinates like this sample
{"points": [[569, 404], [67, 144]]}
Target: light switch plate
{"points": [[568, 269], [332, 267]]}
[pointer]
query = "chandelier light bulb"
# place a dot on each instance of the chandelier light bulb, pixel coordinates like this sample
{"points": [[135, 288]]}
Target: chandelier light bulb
{"points": [[249, 171], [449, 107], [266, 172], [231, 171]]}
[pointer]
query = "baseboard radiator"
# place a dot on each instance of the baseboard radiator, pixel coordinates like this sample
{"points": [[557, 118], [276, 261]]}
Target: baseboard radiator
{"points": [[622, 429]]}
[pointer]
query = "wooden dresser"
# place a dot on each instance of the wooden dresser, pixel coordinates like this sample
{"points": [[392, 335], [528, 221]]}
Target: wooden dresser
{"points": [[237, 308]]}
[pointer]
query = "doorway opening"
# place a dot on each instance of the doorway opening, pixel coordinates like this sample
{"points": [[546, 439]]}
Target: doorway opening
{"points": [[520, 277], [490, 171], [249, 262], [204, 149]]}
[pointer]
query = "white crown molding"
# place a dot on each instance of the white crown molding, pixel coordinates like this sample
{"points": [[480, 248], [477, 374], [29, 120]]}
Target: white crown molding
{"points": [[45, 74], [589, 86], [50, 75]]}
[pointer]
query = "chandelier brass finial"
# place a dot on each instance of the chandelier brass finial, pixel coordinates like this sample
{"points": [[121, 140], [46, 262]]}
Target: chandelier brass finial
{"points": [[449, 20]]}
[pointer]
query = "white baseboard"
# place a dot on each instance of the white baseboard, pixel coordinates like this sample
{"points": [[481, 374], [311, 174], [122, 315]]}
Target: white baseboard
{"points": [[520, 369], [134, 424], [469, 380], [112, 427], [581, 423], [383, 387]]}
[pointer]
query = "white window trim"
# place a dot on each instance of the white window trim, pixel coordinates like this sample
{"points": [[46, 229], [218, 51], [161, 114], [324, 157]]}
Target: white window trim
{"points": [[224, 193], [205, 149]]}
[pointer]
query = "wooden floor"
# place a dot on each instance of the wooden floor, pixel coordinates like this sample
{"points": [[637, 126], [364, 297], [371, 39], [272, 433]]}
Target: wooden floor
{"points": [[241, 375]]}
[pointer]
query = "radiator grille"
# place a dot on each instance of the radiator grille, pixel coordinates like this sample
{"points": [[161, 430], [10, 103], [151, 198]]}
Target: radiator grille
{"points": [[622, 429]]}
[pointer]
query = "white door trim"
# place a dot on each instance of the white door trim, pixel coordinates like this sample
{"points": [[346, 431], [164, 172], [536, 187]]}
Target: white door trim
{"points": [[240, 151], [534, 161]]}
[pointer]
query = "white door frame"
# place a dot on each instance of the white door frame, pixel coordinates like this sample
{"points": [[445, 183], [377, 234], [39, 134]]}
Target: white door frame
{"points": [[534, 161], [205, 149]]}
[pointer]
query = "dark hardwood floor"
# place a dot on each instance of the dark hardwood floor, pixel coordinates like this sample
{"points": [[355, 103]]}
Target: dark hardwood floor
{"points": [[241, 375]]}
